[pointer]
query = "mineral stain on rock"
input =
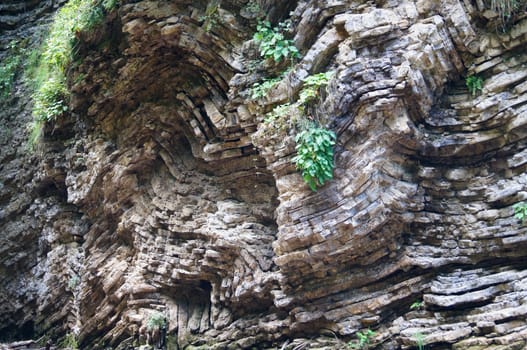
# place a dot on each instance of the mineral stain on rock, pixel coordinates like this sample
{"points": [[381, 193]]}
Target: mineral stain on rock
{"points": [[166, 190]]}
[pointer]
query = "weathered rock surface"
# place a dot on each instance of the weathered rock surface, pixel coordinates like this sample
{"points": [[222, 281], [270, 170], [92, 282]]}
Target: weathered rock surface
{"points": [[163, 192]]}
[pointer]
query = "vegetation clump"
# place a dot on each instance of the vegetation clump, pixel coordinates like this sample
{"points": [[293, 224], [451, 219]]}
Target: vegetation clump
{"points": [[9, 67], [314, 158], [211, 17], [474, 83], [416, 305], [312, 85], [260, 89], [279, 112], [520, 211], [156, 321], [419, 340], [273, 43], [50, 94], [314, 143], [253, 7], [69, 342], [364, 340]]}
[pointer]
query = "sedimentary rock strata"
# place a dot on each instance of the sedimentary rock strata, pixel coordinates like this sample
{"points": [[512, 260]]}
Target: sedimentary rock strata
{"points": [[165, 190]]}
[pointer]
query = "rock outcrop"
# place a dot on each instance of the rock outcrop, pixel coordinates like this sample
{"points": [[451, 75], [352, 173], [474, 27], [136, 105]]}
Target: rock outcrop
{"points": [[163, 191]]}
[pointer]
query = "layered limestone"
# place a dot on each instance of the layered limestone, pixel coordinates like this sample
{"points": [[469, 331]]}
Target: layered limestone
{"points": [[164, 190]]}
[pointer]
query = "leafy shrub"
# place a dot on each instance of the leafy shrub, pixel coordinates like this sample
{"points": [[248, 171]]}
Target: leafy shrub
{"points": [[272, 42], [520, 211], [156, 321], [314, 158], [474, 83], [312, 85]]}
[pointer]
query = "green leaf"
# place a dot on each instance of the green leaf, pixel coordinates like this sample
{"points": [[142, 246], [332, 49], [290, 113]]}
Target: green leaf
{"points": [[315, 155]]}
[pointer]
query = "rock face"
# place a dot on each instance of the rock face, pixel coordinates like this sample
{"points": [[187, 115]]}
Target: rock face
{"points": [[163, 190]]}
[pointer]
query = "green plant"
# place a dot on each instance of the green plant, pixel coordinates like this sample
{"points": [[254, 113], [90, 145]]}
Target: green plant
{"points": [[419, 340], [211, 17], [48, 74], [364, 339], [312, 84], [253, 7], [73, 282], [50, 100], [474, 83], [7, 74], [314, 146], [109, 5], [31, 64], [9, 67], [272, 42], [417, 305], [278, 112], [520, 211], [260, 89], [156, 321], [69, 342]]}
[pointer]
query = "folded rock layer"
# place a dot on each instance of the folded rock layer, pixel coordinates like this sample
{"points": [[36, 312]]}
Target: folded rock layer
{"points": [[165, 190]]}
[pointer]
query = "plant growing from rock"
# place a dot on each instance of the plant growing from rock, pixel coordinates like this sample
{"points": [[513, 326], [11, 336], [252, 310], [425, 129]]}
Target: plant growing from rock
{"points": [[364, 340], [8, 69], [278, 113], [51, 100], [416, 305], [156, 321], [110, 5], [211, 17], [260, 89], [312, 85], [419, 340], [73, 282], [474, 83], [272, 42], [314, 158], [314, 143], [51, 96], [69, 342], [520, 211], [253, 8]]}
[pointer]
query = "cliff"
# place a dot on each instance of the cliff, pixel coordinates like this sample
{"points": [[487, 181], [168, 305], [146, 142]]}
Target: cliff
{"points": [[166, 188]]}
